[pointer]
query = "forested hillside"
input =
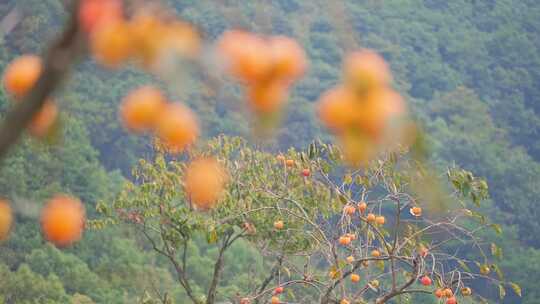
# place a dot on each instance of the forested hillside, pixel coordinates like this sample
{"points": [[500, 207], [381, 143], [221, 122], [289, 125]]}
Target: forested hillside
{"points": [[470, 71]]}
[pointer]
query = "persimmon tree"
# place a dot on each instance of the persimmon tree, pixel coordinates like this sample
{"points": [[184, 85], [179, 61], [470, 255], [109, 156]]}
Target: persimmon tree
{"points": [[328, 234]]}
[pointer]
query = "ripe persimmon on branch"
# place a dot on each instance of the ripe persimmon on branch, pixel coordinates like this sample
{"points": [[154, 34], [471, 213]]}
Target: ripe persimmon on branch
{"points": [[335, 235]]}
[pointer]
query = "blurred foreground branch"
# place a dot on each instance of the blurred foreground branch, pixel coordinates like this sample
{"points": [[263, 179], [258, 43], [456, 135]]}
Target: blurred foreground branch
{"points": [[57, 62]]}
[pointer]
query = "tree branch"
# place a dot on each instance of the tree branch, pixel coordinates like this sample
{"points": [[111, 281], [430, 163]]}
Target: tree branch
{"points": [[218, 266], [58, 61]]}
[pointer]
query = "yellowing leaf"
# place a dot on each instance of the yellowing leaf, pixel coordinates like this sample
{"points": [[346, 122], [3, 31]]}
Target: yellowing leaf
{"points": [[516, 288]]}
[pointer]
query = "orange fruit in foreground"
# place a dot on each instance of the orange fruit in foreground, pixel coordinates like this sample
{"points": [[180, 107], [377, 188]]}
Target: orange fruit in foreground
{"points": [[371, 217], [148, 34], [62, 220], [266, 98], [357, 149], [375, 253], [141, 109], [373, 116], [21, 74], [350, 259], [344, 301], [182, 38], [246, 55], [177, 127], [92, 13], [6, 219], [279, 225], [289, 162], [365, 70], [111, 44], [439, 293], [42, 122], [380, 220], [204, 182], [288, 58], [355, 278], [275, 300], [336, 107]]}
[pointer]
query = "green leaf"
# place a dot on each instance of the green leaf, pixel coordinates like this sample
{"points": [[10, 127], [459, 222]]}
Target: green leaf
{"points": [[516, 288], [343, 199], [502, 291], [466, 189], [347, 179], [212, 236], [312, 151], [464, 266], [380, 265], [496, 251], [286, 270], [497, 228]]}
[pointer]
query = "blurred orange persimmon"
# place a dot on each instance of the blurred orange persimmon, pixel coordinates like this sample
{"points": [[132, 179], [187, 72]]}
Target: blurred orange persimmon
{"points": [[42, 122], [177, 127], [336, 108], [365, 70], [62, 220], [112, 43], [357, 149], [267, 97], [6, 219], [21, 74], [148, 33], [246, 55], [141, 108], [204, 182], [93, 13], [183, 38], [288, 58]]}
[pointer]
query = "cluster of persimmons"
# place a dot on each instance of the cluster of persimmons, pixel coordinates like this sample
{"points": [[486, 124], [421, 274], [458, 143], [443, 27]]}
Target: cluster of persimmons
{"points": [[360, 111], [267, 66], [144, 37], [371, 218]]}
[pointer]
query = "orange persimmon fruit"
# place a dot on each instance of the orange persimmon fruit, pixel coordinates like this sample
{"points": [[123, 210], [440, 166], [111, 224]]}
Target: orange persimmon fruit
{"points": [[21, 74], [62, 220], [204, 182], [141, 108]]}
